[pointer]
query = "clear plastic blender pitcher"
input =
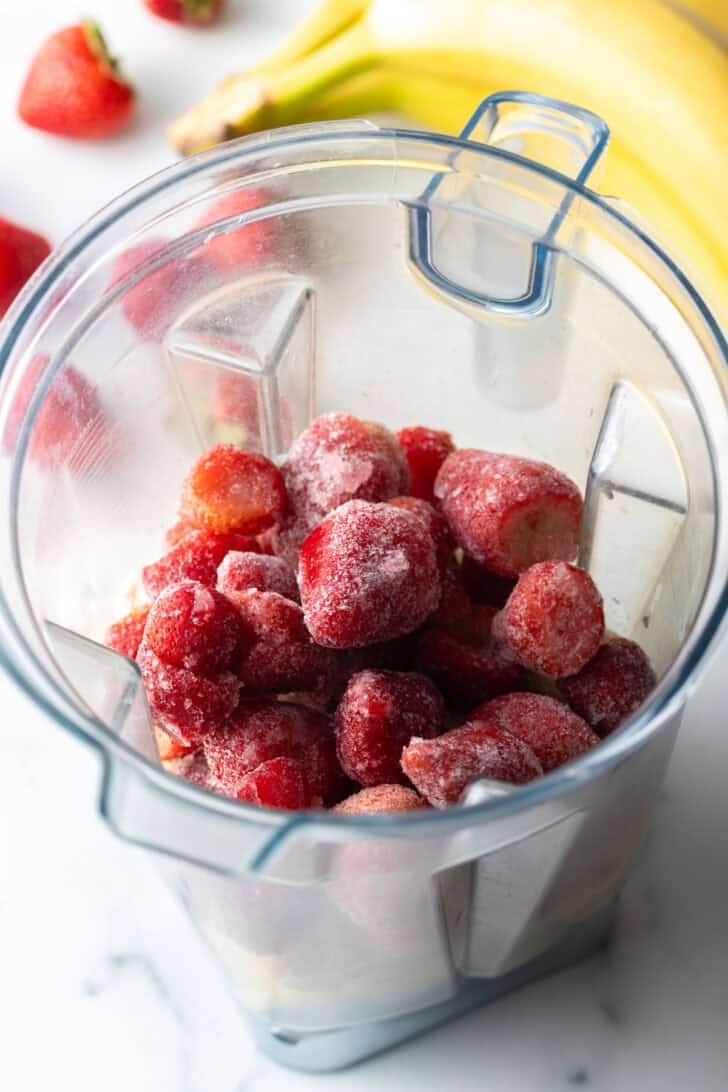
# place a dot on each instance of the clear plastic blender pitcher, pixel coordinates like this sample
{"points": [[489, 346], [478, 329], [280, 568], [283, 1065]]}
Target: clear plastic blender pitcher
{"points": [[475, 285]]}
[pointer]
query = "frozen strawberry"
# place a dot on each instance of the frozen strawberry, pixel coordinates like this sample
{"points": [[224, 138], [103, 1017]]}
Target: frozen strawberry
{"points": [[426, 450], [367, 573], [287, 538], [125, 636], [611, 686], [193, 626], [473, 626], [178, 532], [372, 882], [507, 512], [281, 658], [69, 423], [440, 769], [465, 673], [345, 788], [261, 730], [192, 766], [190, 705], [183, 529], [338, 458], [245, 245], [229, 489], [168, 747], [483, 586], [197, 556], [553, 620], [21, 252], [239, 572], [435, 523], [192, 13], [74, 88], [237, 401], [277, 783], [71, 411], [264, 543], [454, 603], [455, 608], [379, 713], [554, 733], [154, 298], [395, 655], [380, 800]]}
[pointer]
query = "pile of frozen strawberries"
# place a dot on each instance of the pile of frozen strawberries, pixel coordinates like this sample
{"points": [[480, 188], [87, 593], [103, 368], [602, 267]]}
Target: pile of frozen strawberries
{"points": [[376, 624]]}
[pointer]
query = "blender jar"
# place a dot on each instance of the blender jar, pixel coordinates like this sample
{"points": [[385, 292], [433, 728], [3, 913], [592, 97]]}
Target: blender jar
{"points": [[475, 285]]}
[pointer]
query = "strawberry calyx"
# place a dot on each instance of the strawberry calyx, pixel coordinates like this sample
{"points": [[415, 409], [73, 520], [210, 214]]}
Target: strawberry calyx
{"points": [[97, 44], [199, 10]]}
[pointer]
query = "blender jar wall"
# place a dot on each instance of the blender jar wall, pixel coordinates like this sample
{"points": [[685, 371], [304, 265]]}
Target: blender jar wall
{"points": [[618, 383], [330, 318]]}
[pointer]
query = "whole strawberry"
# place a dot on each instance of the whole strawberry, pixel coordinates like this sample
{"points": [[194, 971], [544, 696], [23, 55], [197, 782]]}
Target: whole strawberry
{"points": [[193, 13], [21, 252], [74, 88]]}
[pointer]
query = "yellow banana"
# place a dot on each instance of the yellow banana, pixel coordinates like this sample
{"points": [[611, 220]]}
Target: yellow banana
{"points": [[440, 104], [323, 24], [712, 14], [661, 84]]}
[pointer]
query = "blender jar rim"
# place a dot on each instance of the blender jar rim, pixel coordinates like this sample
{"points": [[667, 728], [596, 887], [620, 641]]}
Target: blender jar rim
{"points": [[671, 689]]}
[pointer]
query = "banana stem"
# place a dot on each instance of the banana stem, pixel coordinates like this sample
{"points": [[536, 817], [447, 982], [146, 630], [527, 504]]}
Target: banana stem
{"points": [[262, 99]]}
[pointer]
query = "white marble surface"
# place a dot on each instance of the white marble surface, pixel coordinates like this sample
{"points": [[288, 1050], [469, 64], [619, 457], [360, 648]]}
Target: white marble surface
{"points": [[103, 982]]}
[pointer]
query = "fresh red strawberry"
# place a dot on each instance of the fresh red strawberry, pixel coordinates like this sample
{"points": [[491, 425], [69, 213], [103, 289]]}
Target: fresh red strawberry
{"points": [[74, 88], [21, 252], [193, 13]]}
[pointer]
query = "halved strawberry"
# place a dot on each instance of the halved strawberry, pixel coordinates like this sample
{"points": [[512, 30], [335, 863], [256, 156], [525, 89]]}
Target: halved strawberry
{"points": [[74, 88]]}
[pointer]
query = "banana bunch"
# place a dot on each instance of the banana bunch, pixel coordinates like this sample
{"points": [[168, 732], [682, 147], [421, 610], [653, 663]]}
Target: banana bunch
{"points": [[650, 70], [711, 14]]}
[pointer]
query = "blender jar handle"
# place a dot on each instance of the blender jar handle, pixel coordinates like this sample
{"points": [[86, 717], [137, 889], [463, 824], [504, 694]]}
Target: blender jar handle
{"points": [[567, 139]]}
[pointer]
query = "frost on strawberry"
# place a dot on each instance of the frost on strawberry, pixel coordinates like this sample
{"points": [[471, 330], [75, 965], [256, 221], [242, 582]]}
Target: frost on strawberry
{"points": [[553, 620], [337, 459], [611, 686], [197, 556], [551, 729], [125, 636], [367, 573], [380, 800], [442, 768], [378, 715], [507, 512]]}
